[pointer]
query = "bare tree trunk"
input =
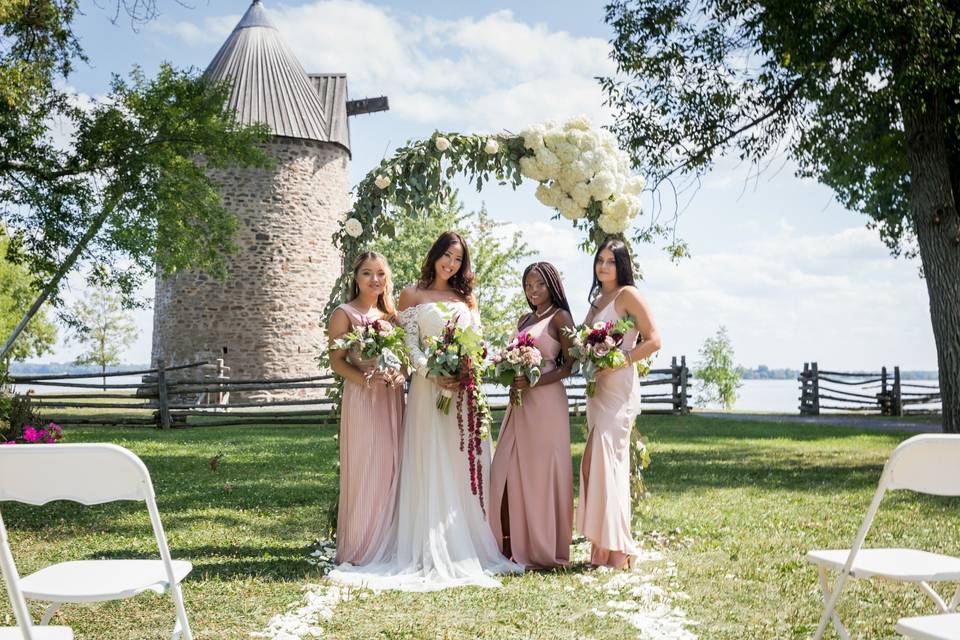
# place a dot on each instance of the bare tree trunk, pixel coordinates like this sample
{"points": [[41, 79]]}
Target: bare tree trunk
{"points": [[937, 224]]}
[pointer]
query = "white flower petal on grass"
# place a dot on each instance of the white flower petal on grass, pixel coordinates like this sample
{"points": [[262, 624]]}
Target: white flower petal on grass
{"points": [[353, 227]]}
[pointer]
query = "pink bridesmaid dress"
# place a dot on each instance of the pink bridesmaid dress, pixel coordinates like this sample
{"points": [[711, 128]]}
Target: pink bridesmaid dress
{"points": [[370, 429], [533, 470], [604, 512]]}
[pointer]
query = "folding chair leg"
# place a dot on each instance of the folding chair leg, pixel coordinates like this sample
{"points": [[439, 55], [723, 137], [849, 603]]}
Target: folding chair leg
{"points": [[49, 611], [927, 589], [829, 602], [954, 601], [177, 630]]}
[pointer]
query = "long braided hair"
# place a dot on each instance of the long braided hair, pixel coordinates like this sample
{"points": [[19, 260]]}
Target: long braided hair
{"points": [[551, 277]]}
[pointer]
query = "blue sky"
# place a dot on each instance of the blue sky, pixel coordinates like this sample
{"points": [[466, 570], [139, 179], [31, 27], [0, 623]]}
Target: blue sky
{"points": [[792, 275]]}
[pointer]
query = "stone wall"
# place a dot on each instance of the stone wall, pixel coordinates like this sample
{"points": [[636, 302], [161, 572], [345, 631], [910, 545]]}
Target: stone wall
{"points": [[263, 320]]}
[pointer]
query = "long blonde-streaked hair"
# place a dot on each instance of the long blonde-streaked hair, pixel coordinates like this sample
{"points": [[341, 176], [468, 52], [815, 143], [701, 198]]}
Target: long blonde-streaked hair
{"points": [[385, 299]]}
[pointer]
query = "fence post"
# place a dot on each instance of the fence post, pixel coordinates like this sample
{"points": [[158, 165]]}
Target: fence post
{"points": [[886, 407], [897, 405], [815, 388], [162, 400], [684, 374], [674, 386], [804, 392]]}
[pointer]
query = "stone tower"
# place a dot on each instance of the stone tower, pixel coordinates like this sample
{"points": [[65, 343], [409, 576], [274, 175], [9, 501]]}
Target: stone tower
{"points": [[263, 320]]}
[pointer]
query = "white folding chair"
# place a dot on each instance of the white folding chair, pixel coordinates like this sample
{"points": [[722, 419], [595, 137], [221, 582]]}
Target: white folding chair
{"points": [[943, 627], [91, 474], [24, 629], [930, 464]]}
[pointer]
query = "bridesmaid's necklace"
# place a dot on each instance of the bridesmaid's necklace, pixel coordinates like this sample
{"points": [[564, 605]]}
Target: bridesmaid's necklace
{"points": [[545, 311]]}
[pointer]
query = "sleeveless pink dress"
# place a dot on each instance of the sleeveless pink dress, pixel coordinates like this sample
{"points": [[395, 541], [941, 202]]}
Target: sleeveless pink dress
{"points": [[533, 466], [604, 512], [370, 429]]}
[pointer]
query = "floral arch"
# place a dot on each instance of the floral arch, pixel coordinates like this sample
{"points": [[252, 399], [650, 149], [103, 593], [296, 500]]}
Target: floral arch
{"points": [[581, 172]]}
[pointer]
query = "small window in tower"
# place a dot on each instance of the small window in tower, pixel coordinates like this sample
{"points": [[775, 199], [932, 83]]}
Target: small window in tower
{"points": [[224, 351]]}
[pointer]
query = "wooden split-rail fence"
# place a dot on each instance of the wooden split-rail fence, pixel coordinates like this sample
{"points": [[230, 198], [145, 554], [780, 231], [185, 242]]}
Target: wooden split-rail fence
{"points": [[880, 392], [199, 394]]}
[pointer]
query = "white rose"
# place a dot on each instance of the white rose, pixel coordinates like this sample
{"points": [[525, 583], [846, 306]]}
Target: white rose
{"points": [[491, 147], [382, 182], [442, 144], [581, 194], [353, 228], [529, 168]]}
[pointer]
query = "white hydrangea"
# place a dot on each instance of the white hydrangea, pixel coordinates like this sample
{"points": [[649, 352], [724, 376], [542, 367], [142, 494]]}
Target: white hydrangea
{"points": [[442, 144], [353, 227], [382, 182], [602, 186], [635, 185], [530, 168], [578, 165], [581, 194], [580, 122], [548, 195], [569, 209], [491, 147]]}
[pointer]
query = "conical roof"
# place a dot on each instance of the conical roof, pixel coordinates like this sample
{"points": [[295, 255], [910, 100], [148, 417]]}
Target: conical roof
{"points": [[268, 84]]}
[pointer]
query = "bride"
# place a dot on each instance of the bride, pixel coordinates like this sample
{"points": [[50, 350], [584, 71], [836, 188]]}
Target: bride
{"points": [[439, 536]]}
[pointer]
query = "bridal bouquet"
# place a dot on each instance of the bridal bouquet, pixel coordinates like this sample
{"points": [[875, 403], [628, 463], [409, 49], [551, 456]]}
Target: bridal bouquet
{"points": [[377, 339], [519, 358], [459, 352], [598, 347]]}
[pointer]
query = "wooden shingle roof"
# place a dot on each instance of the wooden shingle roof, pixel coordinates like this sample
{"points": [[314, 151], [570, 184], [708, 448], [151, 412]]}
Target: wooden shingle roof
{"points": [[269, 85]]}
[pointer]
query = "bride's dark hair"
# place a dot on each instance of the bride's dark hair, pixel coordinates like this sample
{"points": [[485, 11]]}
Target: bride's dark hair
{"points": [[462, 280]]}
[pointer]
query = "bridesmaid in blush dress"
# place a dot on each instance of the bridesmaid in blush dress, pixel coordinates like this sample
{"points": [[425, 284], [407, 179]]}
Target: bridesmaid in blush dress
{"points": [[531, 480], [371, 414], [604, 512]]}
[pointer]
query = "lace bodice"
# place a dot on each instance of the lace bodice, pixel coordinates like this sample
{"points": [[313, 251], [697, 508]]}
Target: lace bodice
{"points": [[429, 319]]}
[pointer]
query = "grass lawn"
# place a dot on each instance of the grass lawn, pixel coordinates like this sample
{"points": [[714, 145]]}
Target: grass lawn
{"points": [[736, 504]]}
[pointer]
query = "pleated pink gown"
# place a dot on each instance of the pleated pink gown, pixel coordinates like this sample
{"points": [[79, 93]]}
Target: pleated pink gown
{"points": [[604, 511], [532, 464], [370, 429]]}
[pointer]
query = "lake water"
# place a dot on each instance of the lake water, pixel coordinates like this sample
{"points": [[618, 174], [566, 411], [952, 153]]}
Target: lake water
{"points": [[777, 396]]}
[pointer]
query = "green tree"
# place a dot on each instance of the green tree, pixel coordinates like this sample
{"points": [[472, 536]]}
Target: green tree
{"points": [[863, 96], [717, 377], [104, 328], [497, 261], [17, 292], [127, 195]]}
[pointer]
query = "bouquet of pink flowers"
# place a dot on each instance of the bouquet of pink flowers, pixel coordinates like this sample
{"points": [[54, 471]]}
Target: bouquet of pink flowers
{"points": [[377, 339], [519, 358], [598, 347]]}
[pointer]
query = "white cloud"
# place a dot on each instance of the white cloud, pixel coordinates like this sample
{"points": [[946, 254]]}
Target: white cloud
{"points": [[485, 73]]}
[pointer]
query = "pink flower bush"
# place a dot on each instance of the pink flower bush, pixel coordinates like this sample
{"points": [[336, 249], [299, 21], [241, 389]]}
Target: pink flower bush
{"points": [[51, 434]]}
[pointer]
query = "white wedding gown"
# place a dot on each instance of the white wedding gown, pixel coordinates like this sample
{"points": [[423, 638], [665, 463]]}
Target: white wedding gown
{"points": [[439, 536]]}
